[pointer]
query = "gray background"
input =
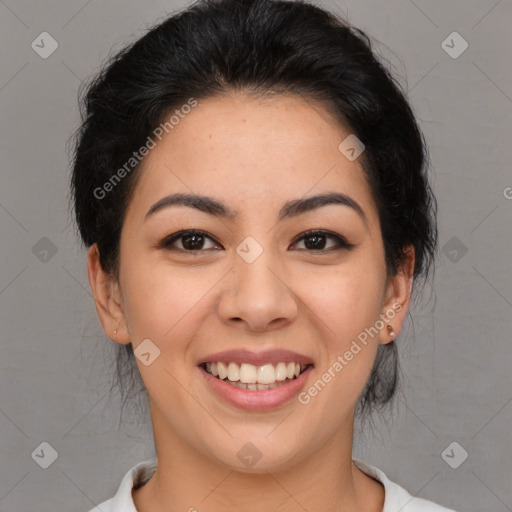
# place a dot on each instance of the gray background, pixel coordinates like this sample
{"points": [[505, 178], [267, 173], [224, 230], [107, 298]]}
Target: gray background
{"points": [[55, 360]]}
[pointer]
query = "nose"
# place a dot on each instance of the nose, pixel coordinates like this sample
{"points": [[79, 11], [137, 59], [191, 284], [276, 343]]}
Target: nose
{"points": [[256, 296]]}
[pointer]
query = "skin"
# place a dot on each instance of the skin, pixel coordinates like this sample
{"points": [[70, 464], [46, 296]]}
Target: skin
{"points": [[253, 155]]}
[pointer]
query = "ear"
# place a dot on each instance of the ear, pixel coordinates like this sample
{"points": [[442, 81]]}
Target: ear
{"points": [[107, 298], [397, 298]]}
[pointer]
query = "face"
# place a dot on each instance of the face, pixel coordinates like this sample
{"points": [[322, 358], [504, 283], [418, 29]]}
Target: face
{"points": [[258, 277]]}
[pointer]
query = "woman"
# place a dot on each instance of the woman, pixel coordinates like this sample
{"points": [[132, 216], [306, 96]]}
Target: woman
{"points": [[252, 185]]}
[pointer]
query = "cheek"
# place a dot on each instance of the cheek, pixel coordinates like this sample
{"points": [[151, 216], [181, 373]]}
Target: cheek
{"points": [[146, 307], [346, 308], [347, 300], [161, 303]]}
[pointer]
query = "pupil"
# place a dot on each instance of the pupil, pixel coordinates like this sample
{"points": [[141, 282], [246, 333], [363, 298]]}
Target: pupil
{"points": [[195, 244], [315, 244]]}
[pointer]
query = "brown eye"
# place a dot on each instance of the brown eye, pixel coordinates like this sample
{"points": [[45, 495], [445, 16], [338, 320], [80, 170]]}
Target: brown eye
{"points": [[190, 241], [315, 241]]}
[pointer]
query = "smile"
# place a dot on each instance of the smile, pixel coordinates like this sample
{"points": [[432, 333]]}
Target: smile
{"points": [[255, 378], [255, 396]]}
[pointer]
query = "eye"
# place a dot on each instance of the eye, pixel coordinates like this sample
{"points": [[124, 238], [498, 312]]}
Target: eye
{"points": [[315, 241], [190, 241], [193, 240]]}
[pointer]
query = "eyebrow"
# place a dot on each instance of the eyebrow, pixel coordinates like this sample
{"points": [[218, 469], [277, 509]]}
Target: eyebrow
{"points": [[290, 209]]}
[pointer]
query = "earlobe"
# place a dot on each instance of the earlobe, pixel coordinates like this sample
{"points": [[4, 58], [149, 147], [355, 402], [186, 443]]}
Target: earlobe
{"points": [[107, 298], [398, 297]]}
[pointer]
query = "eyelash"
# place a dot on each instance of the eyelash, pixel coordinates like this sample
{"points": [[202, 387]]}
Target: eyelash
{"points": [[341, 242]]}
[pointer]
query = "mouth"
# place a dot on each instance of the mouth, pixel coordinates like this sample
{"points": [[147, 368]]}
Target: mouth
{"points": [[256, 381], [250, 377]]}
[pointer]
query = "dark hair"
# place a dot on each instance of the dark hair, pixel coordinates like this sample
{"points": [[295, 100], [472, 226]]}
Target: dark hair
{"points": [[258, 47]]}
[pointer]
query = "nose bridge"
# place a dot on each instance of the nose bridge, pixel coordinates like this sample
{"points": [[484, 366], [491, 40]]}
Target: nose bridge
{"points": [[258, 294], [255, 267]]}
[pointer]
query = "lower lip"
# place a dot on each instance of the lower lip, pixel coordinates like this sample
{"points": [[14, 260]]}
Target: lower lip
{"points": [[258, 400]]}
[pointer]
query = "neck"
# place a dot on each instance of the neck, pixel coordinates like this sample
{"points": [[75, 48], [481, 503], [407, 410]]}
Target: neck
{"points": [[188, 480]]}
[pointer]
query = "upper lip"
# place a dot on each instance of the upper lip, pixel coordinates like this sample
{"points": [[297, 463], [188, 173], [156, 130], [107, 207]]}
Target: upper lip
{"points": [[256, 358]]}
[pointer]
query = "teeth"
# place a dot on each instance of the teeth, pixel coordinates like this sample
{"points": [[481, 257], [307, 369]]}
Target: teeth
{"points": [[258, 387], [223, 371], [233, 372], [281, 371], [248, 376], [248, 373], [266, 374]]}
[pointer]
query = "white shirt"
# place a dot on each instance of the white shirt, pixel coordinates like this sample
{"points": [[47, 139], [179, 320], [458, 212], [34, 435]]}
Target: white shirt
{"points": [[396, 498]]}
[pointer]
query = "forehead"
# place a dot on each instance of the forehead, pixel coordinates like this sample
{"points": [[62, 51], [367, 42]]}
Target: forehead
{"points": [[252, 153]]}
